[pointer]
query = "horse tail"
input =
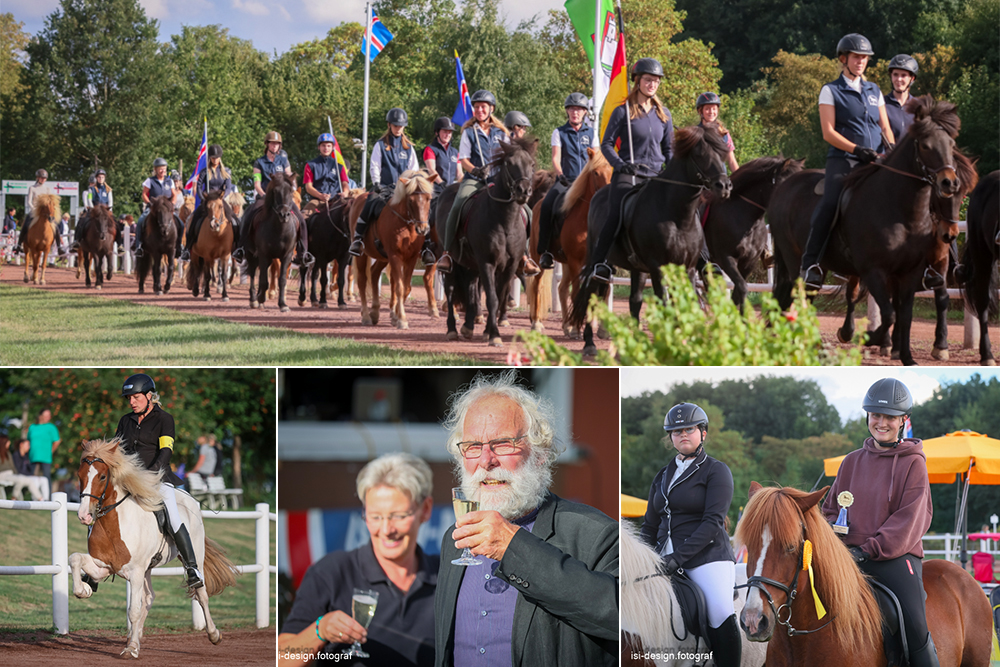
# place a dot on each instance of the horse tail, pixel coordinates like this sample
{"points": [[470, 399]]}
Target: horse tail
{"points": [[581, 301], [220, 573]]}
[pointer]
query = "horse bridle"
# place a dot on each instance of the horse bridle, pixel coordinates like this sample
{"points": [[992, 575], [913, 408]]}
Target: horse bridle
{"points": [[509, 181], [101, 510], [928, 173], [705, 181], [790, 591]]}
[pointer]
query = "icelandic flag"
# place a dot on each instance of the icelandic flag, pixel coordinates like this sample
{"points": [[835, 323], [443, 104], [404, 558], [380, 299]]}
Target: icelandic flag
{"points": [[200, 163], [907, 428], [380, 37], [463, 111]]}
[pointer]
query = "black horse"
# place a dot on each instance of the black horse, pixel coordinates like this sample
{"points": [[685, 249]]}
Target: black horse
{"points": [[159, 244], [884, 233], [329, 239], [662, 228], [98, 242], [982, 251], [491, 239], [734, 226], [273, 230]]}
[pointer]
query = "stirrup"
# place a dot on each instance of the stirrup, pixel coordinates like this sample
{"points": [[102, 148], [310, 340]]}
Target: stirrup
{"points": [[239, 255], [445, 263], [546, 261], [602, 273], [932, 279], [73, 247], [305, 260], [194, 578], [185, 256], [427, 257], [357, 247], [139, 252], [813, 277], [528, 267]]}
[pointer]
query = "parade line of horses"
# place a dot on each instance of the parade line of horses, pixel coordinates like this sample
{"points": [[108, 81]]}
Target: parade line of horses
{"points": [[898, 216]]}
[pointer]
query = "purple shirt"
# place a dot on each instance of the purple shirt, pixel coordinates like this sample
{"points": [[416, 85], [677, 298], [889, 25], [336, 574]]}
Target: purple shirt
{"points": [[484, 613]]}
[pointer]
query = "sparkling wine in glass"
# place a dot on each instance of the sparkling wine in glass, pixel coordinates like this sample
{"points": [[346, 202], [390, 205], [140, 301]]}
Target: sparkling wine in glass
{"points": [[463, 506], [363, 605]]}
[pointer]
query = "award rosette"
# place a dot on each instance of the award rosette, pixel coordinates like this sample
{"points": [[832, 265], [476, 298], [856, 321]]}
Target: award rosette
{"points": [[845, 499]]}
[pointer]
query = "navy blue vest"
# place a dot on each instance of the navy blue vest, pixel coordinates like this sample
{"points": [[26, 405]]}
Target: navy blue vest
{"points": [[395, 158], [487, 145], [899, 120], [158, 189], [269, 167], [574, 148], [210, 180], [100, 194], [857, 115], [445, 161], [325, 175]]}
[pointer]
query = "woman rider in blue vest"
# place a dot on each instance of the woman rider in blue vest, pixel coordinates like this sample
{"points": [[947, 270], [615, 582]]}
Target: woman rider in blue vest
{"points": [[324, 178], [157, 185], [392, 155], [852, 117], [99, 192], [569, 156], [213, 178], [902, 72], [652, 136], [440, 159]]}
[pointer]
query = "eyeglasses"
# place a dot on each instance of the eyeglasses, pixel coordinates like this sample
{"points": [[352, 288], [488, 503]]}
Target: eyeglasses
{"points": [[393, 519], [686, 431], [500, 447]]}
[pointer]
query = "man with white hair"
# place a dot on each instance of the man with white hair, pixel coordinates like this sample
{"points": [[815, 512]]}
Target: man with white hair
{"points": [[545, 592]]}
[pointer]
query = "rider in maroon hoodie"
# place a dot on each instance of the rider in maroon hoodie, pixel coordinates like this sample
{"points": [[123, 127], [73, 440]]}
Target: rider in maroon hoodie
{"points": [[891, 510]]}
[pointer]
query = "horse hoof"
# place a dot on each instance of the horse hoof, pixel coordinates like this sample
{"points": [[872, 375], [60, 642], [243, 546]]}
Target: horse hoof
{"points": [[97, 287], [206, 298], [435, 314], [285, 309], [496, 342], [225, 299], [216, 637], [480, 319], [402, 324], [466, 332], [843, 337], [342, 306], [452, 335], [254, 305], [41, 282], [602, 333], [366, 320], [883, 351], [26, 279], [990, 362], [158, 292], [894, 356], [537, 326], [940, 355], [302, 303], [324, 306], [590, 350], [504, 322]]}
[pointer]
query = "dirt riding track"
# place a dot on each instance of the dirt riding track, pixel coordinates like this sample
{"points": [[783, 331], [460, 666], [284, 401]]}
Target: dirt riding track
{"points": [[102, 647], [425, 334]]}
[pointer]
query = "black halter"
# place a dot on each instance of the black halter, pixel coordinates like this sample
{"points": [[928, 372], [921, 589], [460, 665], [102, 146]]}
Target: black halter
{"points": [[790, 591], [101, 510]]}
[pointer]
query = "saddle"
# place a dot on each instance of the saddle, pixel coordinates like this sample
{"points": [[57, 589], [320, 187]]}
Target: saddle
{"points": [[694, 609], [893, 625]]}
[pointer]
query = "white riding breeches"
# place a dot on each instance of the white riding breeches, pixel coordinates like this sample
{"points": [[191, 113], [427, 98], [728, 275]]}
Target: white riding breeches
{"points": [[169, 496], [716, 580]]}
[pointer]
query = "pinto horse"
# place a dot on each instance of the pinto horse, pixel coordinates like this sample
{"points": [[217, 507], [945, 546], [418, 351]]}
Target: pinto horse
{"points": [[395, 240], [982, 251], [98, 242], [118, 496], [214, 242], [40, 238], [775, 525], [159, 244]]}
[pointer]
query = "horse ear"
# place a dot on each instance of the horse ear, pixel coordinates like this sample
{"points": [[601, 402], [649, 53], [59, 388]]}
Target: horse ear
{"points": [[754, 488], [811, 499], [404, 181]]}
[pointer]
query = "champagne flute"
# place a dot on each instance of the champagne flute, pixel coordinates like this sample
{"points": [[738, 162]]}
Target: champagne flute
{"points": [[363, 605], [463, 505]]}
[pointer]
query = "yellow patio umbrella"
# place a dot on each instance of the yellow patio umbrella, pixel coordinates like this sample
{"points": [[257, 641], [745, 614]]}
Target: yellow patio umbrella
{"points": [[632, 506]]}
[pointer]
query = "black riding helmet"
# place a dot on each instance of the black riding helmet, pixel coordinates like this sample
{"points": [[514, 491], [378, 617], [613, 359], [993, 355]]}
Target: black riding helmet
{"points": [[889, 396], [397, 116], [904, 62], [484, 96], [647, 66], [215, 150], [854, 43], [443, 123], [685, 415], [707, 98], [139, 383]]}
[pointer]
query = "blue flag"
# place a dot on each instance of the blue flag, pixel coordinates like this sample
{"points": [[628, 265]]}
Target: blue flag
{"points": [[463, 111], [200, 164], [380, 37]]}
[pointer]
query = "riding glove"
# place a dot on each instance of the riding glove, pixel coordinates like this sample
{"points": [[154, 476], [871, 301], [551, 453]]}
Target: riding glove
{"points": [[866, 155], [628, 169], [857, 554], [670, 565]]}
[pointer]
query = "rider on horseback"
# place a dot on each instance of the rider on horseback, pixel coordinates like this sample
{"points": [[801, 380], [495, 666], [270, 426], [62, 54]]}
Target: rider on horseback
{"points": [[441, 160], [324, 179], [215, 177], [569, 156], [852, 116], [642, 129], [685, 523], [707, 106], [517, 124], [891, 509], [392, 155], [157, 185], [902, 72], [149, 432], [99, 192], [40, 187]]}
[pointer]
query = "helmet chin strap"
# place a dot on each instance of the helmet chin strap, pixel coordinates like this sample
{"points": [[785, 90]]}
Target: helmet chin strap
{"points": [[695, 453]]}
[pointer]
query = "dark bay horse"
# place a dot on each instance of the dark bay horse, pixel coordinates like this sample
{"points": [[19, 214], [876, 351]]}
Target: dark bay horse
{"points": [[884, 232], [273, 229], [663, 228], [491, 240], [982, 251], [98, 242], [158, 245], [734, 226], [329, 239], [774, 527], [214, 243]]}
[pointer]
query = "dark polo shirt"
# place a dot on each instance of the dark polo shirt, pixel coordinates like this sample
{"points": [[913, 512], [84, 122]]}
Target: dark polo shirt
{"points": [[402, 630], [146, 439]]}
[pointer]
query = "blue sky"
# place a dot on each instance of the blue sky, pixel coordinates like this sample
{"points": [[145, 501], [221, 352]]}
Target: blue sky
{"points": [[844, 388], [272, 25]]}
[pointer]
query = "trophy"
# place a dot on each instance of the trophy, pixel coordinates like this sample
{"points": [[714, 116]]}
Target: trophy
{"points": [[845, 499]]}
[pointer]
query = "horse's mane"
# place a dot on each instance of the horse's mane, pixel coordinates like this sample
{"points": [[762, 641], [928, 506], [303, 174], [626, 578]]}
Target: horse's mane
{"points": [[280, 181], [128, 472], [965, 167], [417, 180], [505, 151], [686, 138], [841, 586], [102, 212], [542, 180], [753, 171], [162, 205], [50, 202], [235, 198], [214, 195], [582, 182], [648, 607]]}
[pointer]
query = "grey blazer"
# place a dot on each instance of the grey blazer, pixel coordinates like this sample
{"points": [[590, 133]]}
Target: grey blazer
{"points": [[566, 571]]}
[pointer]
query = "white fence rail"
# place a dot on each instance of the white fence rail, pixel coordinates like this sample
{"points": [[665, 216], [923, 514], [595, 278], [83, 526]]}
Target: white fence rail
{"points": [[59, 568]]}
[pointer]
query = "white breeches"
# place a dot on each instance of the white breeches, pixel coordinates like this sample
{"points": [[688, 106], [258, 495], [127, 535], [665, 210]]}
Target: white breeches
{"points": [[716, 580], [169, 496]]}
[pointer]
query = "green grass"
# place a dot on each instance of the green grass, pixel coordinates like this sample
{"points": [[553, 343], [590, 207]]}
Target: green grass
{"points": [[41, 328], [26, 601]]}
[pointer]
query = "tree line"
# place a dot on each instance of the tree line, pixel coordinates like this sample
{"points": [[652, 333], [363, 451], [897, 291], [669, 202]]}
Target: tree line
{"points": [[96, 88]]}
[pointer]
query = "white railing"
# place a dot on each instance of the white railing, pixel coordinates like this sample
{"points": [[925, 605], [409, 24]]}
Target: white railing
{"points": [[59, 569], [952, 543]]}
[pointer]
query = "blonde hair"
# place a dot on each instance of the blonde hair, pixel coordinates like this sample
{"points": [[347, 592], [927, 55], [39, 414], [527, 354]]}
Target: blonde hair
{"points": [[387, 138], [493, 120]]}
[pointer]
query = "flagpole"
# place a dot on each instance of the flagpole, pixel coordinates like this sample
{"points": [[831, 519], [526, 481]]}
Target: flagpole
{"points": [[368, 63], [628, 120], [598, 44]]}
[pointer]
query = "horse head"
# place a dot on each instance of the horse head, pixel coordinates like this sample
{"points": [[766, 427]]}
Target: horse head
{"points": [[704, 150], [162, 212], [517, 168], [96, 481], [933, 133], [415, 187], [280, 196], [215, 211], [945, 211]]}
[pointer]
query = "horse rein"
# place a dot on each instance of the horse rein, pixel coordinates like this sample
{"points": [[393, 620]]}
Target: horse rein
{"points": [[791, 591], [929, 173], [101, 510], [509, 182]]}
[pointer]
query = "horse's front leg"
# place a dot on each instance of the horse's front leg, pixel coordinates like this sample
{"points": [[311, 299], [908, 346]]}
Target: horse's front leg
{"points": [[84, 564], [880, 292], [487, 273], [846, 332], [157, 262], [111, 266], [941, 302], [430, 273], [362, 267], [638, 284], [400, 281], [170, 272], [252, 273], [283, 283], [375, 285], [265, 278]]}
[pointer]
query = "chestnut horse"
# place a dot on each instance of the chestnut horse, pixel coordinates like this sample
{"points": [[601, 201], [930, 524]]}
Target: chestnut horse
{"points": [[775, 525], [395, 240], [214, 242], [118, 496], [98, 241], [570, 247], [41, 236]]}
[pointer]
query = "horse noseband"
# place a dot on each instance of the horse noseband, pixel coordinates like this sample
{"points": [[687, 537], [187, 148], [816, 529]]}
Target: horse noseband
{"points": [[101, 510]]}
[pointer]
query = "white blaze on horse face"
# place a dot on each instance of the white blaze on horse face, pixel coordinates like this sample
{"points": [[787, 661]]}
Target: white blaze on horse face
{"points": [[84, 511], [756, 602]]}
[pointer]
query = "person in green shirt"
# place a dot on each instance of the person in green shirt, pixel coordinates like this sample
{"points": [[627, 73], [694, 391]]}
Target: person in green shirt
{"points": [[44, 438]]}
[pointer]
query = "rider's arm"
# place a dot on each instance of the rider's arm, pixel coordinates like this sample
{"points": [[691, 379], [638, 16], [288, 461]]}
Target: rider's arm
{"points": [[465, 152], [883, 122], [667, 143], [556, 153], [145, 195], [827, 120], [257, 176], [614, 129], [731, 161], [430, 163], [111, 199], [375, 164]]}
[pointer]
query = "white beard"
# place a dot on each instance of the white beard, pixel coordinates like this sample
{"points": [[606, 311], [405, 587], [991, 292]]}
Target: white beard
{"points": [[525, 489]]}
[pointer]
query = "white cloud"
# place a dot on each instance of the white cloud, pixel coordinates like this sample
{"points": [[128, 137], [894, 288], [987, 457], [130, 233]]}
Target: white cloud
{"points": [[284, 12], [251, 7], [155, 9], [335, 13]]}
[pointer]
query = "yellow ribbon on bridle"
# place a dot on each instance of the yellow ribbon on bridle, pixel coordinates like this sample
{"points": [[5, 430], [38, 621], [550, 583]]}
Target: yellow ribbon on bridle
{"points": [[807, 556]]}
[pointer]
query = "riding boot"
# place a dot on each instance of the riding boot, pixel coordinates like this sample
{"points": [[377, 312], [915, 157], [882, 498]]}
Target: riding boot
{"points": [[178, 248], [528, 267], [81, 227], [358, 244], [727, 643], [137, 243], [427, 254], [185, 551], [926, 656], [19, 248]]}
